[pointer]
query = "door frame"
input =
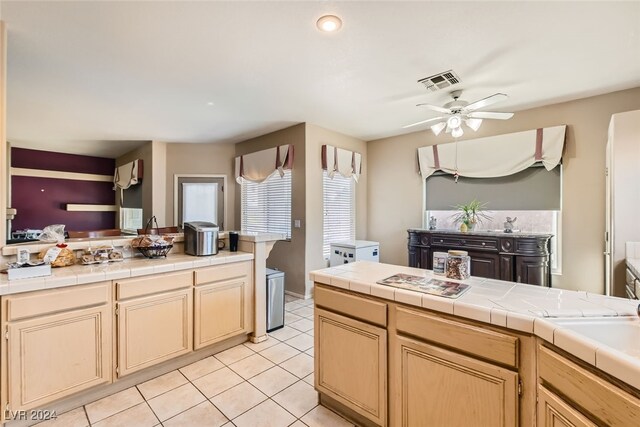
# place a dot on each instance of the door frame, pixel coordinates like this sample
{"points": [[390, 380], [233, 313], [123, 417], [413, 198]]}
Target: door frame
{"points": [[176, 179]]}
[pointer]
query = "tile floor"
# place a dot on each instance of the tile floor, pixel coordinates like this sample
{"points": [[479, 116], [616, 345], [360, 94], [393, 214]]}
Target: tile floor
{"points": [[250, 385]]}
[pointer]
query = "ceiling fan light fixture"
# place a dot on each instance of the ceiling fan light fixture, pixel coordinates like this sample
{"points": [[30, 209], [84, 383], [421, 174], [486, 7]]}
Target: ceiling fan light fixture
{"points": [[457, 132], [473, 123], [329, 23], [437, 128], [454, 121]]}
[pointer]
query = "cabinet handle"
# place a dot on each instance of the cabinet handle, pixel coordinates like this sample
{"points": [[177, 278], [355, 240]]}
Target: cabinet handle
{"points": [[462, 242], [483, 243]]}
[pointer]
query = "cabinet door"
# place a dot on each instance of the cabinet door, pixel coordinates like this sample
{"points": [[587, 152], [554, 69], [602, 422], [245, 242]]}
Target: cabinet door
{"points": [[154, 329], [436, 387], [351, 364], [485, 265], [53, 356], [221, 310], [555, 412], [533, 270]]}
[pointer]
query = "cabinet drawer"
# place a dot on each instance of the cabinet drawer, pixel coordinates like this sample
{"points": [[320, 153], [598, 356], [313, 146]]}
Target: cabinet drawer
{"points": [[530, 246], [612, 406], [222, 272], [445, 241], [480, 342], [38, 303], [353, 306], [480, 243], [130, 288]]}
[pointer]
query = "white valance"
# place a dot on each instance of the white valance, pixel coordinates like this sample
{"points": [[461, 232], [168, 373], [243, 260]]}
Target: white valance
{"points": [[346, 163], [128, 174], [495, 156], [258, 166]]}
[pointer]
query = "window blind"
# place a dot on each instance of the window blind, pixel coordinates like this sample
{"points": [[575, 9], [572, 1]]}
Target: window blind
{"points": [[266, 206], [338, 210]]}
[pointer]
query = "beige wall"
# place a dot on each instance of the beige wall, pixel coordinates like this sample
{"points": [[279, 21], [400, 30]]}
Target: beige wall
{"points": [[201, 159], [144, 153], [395, 188], [316, 137], [288, 256], [159, 176]]}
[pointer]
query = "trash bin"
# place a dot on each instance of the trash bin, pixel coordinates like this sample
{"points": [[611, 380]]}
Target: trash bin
{"points": [[275, 299]]}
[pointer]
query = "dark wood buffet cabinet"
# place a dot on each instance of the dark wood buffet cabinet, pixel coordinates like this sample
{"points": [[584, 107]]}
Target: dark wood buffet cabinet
{"points": [[516, 257]]}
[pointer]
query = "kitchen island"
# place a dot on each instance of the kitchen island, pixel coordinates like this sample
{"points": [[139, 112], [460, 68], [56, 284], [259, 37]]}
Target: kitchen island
{"points": [[502, 354]]}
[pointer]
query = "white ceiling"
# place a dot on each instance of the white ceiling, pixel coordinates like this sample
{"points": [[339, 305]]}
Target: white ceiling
{"points": [[133, 71]]}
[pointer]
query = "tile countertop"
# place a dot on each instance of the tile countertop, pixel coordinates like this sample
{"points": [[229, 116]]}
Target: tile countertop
{"points": [[544, 312], [131, 267]]}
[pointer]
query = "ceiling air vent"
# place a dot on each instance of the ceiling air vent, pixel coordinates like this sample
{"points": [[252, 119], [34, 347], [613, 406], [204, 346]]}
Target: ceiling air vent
{"points": [[440, 81]]}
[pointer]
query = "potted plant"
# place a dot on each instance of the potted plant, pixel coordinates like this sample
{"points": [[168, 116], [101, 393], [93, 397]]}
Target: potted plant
{"points": [[469, 214]]}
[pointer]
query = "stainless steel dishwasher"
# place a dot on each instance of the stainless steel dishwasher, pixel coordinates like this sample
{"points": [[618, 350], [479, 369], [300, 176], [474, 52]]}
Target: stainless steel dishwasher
{"points": [[275, 299]]}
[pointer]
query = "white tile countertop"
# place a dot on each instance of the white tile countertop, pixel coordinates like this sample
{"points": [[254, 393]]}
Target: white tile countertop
{"points": [[131, 267], [611, 342]]}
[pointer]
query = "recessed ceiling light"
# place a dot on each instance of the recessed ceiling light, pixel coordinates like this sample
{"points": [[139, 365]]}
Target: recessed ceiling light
{"points": [[329, 23], [210, 104]]}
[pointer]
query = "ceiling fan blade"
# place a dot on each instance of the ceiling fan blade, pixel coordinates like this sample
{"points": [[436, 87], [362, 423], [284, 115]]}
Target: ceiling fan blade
{"points": [[425, 121], [496, 97], [489, 115], [435, 108]]}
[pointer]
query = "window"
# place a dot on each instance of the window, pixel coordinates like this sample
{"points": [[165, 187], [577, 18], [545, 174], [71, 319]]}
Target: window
{"points": [[266, 206], [339, 210]]}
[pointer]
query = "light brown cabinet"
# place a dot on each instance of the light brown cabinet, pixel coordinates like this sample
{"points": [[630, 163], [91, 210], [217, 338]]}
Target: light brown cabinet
{"points": [[154, 320], [222, 303], [351, 364], [58, 343], [437, 387], [555, 412]]}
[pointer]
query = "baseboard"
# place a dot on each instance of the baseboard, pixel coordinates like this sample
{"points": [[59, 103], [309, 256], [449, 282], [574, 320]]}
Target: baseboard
{"points": [[297, 295]]}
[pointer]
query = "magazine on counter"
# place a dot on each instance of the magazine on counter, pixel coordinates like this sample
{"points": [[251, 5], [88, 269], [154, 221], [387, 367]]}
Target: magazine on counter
{"points": [[442, 288]]}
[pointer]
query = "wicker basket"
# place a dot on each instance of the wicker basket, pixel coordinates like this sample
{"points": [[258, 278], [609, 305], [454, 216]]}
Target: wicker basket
{"points": [[154, 251]]}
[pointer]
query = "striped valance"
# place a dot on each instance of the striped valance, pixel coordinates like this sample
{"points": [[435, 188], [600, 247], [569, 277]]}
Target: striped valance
{"points": [[495, 156], [260, 165], [337, 160]]}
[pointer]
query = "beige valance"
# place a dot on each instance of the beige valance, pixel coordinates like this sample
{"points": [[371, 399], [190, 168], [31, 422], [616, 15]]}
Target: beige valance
{"points": [[127, 175], [260, 165], [495, 156], [346, 163]]}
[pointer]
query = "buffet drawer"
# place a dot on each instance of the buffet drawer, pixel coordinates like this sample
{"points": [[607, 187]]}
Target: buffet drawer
{"points": [[351, 305], [530, 246], [481, 243], [480, 342]]}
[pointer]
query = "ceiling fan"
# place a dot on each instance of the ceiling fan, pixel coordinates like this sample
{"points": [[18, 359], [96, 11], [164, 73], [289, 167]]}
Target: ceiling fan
{"points": [[458, 111]]}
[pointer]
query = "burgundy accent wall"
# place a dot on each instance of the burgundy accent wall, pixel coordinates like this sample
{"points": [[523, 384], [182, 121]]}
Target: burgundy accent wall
{"points": [[42, 201]]}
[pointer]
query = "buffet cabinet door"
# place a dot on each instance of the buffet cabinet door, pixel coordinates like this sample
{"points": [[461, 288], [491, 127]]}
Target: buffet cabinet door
{"points": [[436, 387], [351, 364], [555, 412]]}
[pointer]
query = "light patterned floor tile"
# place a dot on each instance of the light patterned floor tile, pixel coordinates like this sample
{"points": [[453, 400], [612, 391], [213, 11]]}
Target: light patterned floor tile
{"points": [[285, 333], [322, 417], [310, 332], [310, 352], [309, 379], [234, 354], [238, 399], [269, 342], [293, 305], [266, 414], [202, 415], [140, 416], [251, 366], [217, 382], [307, 302], [300, 365], [298, 423], [175, 401], [74, 418], [273, 380], [301, 342], [303, 312], [162, 384], [113, 404], [298, 399], [303, 325], [279, 353], [291, 318], [201, 368]]}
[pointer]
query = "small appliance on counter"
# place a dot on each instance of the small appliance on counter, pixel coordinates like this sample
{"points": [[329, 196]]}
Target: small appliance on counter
{"points": [[354, 250], [275, 299], [200, 238]]}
